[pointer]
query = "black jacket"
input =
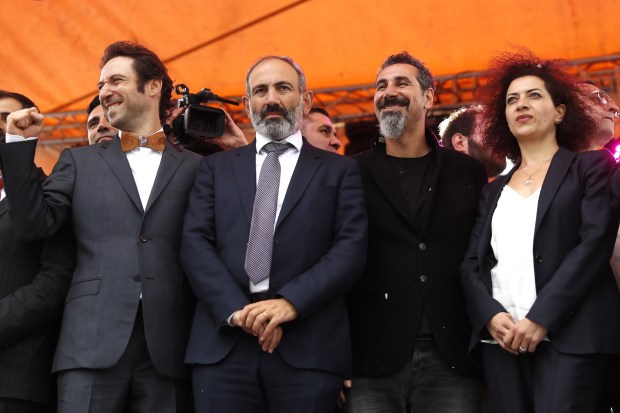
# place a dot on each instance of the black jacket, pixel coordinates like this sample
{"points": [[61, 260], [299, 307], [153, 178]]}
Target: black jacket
{"points": [[407, 269]]}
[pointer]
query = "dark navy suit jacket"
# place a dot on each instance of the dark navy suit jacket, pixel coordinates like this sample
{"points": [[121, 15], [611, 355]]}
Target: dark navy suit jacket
{"points": [[319, 250], [577, 299]]}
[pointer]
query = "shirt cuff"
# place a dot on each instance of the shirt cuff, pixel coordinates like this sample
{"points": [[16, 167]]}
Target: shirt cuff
{"points": [[16, 138], [229, 319]]}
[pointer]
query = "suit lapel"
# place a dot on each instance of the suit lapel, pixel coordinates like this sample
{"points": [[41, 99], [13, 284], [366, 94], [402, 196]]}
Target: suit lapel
{"points": [[170, 162], [307, 165], [117, 161], [244, 170], [4, 207], [555, 175], [485, 235]]}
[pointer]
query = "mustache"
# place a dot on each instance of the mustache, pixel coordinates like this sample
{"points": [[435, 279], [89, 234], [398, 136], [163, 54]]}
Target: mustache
{"points": [[273, 108], [393, 101]]}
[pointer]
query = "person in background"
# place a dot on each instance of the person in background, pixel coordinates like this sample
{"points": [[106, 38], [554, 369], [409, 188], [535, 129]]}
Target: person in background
{"points": [[460, 131], [34, 279], [97, 126], [605, 112], [319, 131]]}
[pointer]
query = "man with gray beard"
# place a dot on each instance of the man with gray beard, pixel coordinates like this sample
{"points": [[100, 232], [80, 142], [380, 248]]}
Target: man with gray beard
{"points": [[274, 237], [409, 329]]}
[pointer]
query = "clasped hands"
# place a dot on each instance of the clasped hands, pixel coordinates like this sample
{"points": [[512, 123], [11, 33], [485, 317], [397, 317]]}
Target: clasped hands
{"points": [[520, 337], [263, 319]]}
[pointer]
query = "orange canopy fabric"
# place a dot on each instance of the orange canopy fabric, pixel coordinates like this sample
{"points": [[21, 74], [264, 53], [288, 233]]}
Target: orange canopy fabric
{"points": [[51, 48]]}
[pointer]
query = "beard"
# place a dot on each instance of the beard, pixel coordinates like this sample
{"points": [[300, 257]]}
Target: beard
{"points": [[278, 128], [392, 124], [492, 163]]}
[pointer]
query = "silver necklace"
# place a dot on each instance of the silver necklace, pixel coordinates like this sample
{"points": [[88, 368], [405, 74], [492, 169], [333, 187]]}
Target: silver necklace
{"points": [[529, 180]]}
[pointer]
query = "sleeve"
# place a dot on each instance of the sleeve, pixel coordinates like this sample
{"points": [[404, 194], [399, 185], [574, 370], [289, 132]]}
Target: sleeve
{"points": [[207, 273], [578, 272], [34, 305], [481, 306], [37, 212]]}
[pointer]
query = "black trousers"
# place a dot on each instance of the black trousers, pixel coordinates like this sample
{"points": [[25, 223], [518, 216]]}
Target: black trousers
{"points": [[23, 406], [545, 381], [132, 385], [250, 380]]}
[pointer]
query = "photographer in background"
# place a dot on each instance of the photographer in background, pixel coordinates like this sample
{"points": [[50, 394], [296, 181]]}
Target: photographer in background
{"points": [[99, 130]]}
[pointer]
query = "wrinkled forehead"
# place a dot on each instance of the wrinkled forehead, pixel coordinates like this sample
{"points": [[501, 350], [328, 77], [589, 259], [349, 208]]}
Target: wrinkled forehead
{"points": [[588, 88], [397, 70], [272, 71]]}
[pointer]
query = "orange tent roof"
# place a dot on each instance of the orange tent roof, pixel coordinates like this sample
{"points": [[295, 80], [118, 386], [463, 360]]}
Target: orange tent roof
{"points": [[52, 49]]}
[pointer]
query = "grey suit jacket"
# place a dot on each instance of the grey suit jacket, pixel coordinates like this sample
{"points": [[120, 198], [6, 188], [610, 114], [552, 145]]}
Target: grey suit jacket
{"points": [[123, 250]]}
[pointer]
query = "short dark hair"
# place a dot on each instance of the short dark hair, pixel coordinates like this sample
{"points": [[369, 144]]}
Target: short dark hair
{"points": [[301, 83], [147, 66], [576, 125], [424, 76], [23, 100], [93, 104], [460, 121], [317, 109]]}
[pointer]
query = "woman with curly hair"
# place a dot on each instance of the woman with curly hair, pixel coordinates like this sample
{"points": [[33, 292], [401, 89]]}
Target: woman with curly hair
{"points": [[540, 293]]}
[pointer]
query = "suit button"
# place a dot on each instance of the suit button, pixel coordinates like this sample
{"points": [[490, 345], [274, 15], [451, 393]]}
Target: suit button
{"points": [[137, 278], [538, 258], [422, 246], [423, 278], [144, 238]]}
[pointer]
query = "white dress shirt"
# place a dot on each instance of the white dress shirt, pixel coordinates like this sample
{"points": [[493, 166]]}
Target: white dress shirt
{"points": [[144, 163], [512, 240], [288, 161]]}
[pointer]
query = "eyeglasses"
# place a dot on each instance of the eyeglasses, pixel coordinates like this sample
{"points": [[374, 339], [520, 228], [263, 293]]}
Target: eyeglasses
{"points": [[604, 99]]}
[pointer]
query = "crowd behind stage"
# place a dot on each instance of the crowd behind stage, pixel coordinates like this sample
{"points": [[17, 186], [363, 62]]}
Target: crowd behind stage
{"points": [[277, 275]]}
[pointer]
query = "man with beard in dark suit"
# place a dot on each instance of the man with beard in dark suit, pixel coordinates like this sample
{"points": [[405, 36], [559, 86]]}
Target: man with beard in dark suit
{"points": [[274, 236]]}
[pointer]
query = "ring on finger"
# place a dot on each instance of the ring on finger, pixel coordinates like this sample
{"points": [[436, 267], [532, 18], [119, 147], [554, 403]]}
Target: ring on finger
{"points": [[522, 350], [265, 314]]}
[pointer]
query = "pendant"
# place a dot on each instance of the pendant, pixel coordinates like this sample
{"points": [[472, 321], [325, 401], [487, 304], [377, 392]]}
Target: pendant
{"points": [[528, 181]]}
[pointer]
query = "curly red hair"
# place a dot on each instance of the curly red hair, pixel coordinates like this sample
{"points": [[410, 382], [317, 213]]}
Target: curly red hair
{"points": [[572, 133]]}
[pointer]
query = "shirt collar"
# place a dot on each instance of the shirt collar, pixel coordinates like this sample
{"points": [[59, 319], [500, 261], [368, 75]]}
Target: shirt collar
{"points": [[295, 140], [120, 132]]}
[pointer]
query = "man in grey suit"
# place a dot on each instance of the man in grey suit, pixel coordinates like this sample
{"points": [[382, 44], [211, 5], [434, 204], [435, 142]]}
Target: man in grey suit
{"points": [[128, 310], [34, 278]]}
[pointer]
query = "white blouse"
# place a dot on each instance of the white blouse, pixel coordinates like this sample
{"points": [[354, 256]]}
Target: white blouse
{"points": [[514, 283]]}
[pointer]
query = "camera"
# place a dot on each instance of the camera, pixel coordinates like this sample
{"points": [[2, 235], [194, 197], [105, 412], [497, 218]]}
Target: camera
{"points": [[198, 122]]}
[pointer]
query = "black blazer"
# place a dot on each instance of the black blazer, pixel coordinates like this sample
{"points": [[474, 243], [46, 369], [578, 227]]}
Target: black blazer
{"points": [[408, 269], [123, 249], [34, 279], [577, 299], [318, 253]]}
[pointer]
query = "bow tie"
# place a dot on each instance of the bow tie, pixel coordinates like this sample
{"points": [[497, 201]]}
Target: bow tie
{"points": [[156, 141]]}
